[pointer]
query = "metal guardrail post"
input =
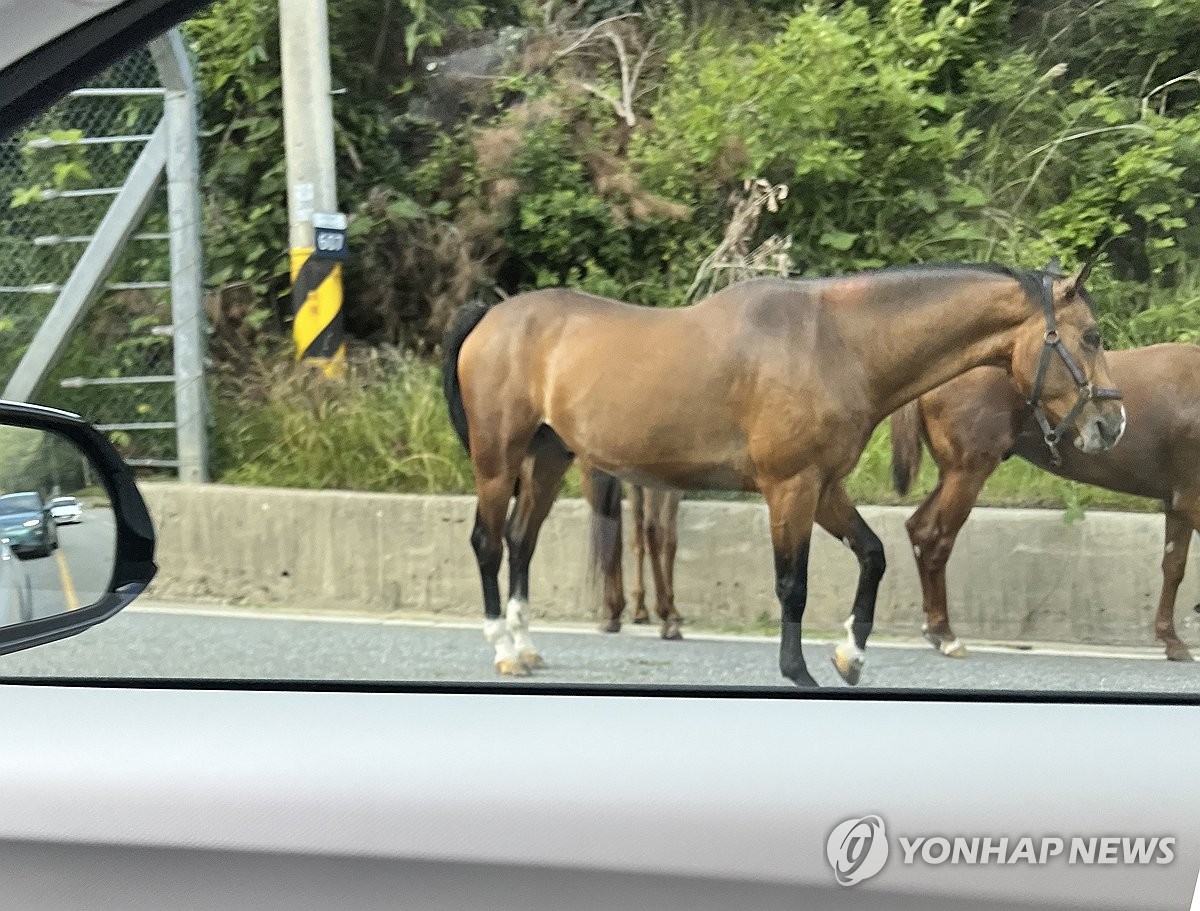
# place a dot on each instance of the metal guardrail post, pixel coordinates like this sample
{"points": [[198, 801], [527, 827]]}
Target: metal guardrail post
{"points": [[187, 303]]}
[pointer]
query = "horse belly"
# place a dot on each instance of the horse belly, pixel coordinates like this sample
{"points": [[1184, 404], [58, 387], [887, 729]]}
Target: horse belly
{"points": [[661, 452], [693, 477]]}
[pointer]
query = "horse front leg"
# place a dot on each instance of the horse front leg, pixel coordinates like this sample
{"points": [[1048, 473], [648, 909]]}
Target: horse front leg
{"points": [[792, 505], [1174, 563], [837, 515]]}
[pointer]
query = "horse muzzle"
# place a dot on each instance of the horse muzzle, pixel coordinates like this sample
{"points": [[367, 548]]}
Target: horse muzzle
{"points": [[1101, 427]]}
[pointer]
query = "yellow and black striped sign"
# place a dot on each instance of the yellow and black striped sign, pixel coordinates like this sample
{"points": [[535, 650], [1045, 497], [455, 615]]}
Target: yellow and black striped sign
{"points": [[317, 326]]}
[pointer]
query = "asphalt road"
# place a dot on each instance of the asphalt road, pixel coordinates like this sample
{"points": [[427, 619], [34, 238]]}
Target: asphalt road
{"points": [[78, 572], [192, 641]]}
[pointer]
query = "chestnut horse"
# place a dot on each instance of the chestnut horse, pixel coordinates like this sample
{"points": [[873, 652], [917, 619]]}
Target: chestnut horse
{"points": [[768, 385], [975, 421]]}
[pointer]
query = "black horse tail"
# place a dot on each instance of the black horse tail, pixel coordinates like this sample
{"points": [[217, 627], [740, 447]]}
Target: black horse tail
{"points": [[606, 522], [465, 320], [906, 446]]}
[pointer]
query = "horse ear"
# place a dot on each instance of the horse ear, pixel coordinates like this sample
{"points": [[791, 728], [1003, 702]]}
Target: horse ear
{"points": [[1077, 281], [1085, 270]]}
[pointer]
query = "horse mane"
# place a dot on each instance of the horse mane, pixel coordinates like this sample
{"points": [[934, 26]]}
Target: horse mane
{"points": [[1029, 279]]}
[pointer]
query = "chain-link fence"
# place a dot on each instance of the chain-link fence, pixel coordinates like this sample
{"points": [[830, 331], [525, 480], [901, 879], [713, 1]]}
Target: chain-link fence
{"points": [[58, 178]]}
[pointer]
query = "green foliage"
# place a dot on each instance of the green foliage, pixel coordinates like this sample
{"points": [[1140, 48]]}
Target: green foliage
{"points": [[840, 107], [245, 195], [559, 224], [906, 131], [372, 48], [384, 428]]}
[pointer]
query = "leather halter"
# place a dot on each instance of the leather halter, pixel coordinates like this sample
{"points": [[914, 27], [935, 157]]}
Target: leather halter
{"points": [[1087, 392]]}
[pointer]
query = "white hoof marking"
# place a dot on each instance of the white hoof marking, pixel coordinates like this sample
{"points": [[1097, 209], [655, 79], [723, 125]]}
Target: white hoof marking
{"points": [[850, 648], [497, 633], [517, 624]]}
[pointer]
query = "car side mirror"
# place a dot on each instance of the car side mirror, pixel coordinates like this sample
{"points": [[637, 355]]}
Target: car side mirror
{"points": [[76, 541]]}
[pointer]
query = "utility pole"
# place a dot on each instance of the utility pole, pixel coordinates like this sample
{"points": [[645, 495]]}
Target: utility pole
{"points": [[317, 235]]}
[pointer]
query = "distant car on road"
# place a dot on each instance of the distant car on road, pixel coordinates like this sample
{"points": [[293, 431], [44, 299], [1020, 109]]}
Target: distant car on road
{"points": [[66, 510], [16, 588], [26, 525]]}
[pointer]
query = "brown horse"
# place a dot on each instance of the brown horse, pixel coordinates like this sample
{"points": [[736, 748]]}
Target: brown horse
{"points": [[769, 385], [978, 419]]}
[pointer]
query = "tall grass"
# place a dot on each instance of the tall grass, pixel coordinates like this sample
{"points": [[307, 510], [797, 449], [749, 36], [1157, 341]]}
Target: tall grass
{"points": [[385, 429]]}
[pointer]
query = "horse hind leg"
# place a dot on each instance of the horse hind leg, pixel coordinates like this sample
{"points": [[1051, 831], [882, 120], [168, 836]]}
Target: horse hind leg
{"points": [[488, 543], [932, 530], [661, 537], [837, 515], [670, 546], [1179, 528], [637, 509], [541, 475], [603, 493], [497, 464]]}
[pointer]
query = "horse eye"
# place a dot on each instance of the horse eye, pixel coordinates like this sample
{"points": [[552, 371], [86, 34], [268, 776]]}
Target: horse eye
{"points": [[1092, 339]]}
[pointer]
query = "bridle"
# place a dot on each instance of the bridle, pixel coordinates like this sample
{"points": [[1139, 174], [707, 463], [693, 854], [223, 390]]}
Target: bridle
{"points": [[1053, 345]]}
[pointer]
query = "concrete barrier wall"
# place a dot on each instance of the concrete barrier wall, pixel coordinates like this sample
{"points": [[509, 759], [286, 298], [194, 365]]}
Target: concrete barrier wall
{"points": [[1017, 574]]}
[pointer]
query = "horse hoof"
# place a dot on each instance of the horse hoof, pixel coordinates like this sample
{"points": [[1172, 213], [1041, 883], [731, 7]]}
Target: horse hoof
{"points": [[803, 679], [612, 626], [641, 619], [848, 664], [670, 630], [532, 660], [512, 667], [951, 648], [1177, 651]]}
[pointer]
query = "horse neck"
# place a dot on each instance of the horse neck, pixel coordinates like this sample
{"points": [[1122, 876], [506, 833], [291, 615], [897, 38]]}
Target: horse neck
{"points": [[934, 333]]}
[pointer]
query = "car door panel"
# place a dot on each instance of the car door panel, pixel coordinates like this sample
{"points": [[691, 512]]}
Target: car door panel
{"points": [[562, 794], [105, 878]]}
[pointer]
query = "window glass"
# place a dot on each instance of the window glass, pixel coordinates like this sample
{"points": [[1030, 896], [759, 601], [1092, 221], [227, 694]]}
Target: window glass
{"points": [[837, 344]]}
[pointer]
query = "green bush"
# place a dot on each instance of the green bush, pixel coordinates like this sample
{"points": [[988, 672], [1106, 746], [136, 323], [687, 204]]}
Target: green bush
{"points": [[383, 428]]}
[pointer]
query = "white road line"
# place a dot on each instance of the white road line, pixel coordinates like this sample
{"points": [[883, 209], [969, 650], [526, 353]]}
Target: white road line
{"points": [[645, 632]]}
